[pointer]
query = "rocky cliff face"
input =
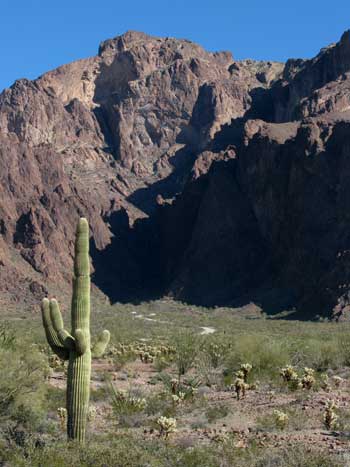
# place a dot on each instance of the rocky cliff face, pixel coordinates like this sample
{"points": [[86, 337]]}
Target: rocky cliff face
{"points": [[214, 180]]}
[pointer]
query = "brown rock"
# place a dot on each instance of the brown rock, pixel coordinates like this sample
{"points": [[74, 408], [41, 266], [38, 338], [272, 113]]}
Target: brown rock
{"points": [[214, 180]]}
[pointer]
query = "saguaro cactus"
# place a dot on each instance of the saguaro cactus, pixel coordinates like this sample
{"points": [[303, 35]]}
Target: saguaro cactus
{"points": [[76, 346]]}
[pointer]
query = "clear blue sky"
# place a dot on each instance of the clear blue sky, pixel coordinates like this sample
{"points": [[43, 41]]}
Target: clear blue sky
{"points": [[38, 35]]}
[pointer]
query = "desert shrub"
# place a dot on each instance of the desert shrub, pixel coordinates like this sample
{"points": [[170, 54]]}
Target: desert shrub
{"points": [[55, 397], [128, 451], [117, 453], [296, 420], [7, 336], [344, 348], [121, 354], [318, 353], [126, 403], [215, 349], [98, 394], [209, 374], [160, 404], [266, 355], [296, 457], [216, 412], [23, 373], [161, 363], [128, 407], [186, 347], [343, 422]]}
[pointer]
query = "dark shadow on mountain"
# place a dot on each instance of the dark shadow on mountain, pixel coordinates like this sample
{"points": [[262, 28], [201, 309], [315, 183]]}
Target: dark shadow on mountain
{"points": [[168, 187], [231, 134], [127, 270], [110, 137], [144, 261]]}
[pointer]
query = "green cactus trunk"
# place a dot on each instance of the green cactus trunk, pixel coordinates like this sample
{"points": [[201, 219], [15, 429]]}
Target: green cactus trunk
{"points": [[76, 347], [78, 395]]}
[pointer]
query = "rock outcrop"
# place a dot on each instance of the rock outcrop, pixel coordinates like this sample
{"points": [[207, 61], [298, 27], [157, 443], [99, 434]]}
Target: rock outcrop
{"points": [[214, 180]]}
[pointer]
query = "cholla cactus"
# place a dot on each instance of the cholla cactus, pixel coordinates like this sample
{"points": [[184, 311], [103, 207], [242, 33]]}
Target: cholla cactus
{"points": [[240, 387], [55, 362], [146, 357], [281, 419], [121, 353], [308, 379], [329, 416], [291, 377], [288, 373], [337, 381], [246, 368], [178, 398], [174, 385], [92, 413], [62, 415], [325, 382], [295, 382], [166, 426], [138, 402]]}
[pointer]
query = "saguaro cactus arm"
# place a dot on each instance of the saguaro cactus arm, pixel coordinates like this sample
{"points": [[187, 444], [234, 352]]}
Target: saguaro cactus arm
{"points": [[63, 335], [81, 342], [100, 345], [51, 334]]}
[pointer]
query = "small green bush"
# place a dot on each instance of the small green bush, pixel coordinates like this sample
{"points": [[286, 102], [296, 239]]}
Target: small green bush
{"points": [[216, 413], [23, 373], [264, 354], [186, 346]]}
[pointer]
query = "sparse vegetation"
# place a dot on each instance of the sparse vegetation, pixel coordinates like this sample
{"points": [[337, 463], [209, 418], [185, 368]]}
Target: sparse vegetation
{"points": [[190, 378]]}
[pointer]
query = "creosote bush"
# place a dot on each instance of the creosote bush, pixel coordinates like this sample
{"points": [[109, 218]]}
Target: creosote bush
{"points": [[23, 375], [127, 451], [265, 355], [186, 347]]}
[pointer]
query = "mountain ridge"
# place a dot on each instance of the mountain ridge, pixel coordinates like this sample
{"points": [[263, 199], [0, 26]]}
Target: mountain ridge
{"points": [[151, 139]]}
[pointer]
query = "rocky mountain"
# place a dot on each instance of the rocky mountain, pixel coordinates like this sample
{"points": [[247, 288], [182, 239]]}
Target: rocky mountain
{"points": [[213, 180]]}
